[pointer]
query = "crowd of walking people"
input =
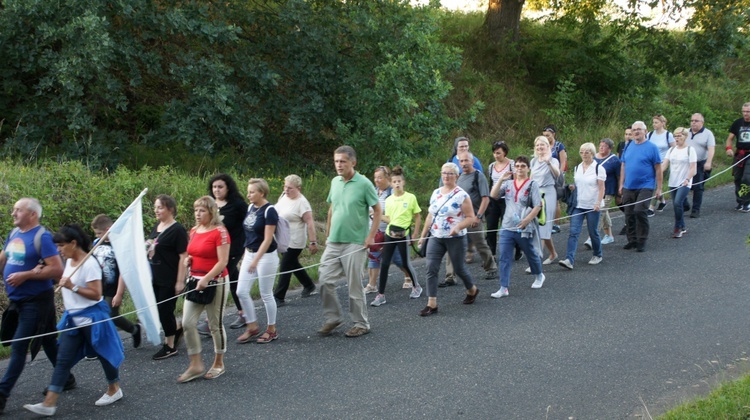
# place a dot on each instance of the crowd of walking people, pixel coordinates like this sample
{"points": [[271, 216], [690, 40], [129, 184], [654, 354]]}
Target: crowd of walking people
{"points": [[236, 242]]}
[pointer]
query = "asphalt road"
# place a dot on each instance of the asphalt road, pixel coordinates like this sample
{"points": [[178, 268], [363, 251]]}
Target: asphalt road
{"points": [[626, 339]]}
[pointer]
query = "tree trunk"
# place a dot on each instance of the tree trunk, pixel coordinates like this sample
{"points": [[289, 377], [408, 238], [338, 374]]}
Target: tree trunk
{"points": [[503, 19]]}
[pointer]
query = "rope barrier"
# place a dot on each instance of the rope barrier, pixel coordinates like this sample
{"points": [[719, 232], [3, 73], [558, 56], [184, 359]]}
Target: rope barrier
{"points": [[339, 257]]}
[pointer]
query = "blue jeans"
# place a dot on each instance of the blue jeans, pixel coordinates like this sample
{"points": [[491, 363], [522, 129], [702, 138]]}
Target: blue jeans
{"points": [[28, 318], [68, 355], [680, 196], [507, 243], [576, 224]]}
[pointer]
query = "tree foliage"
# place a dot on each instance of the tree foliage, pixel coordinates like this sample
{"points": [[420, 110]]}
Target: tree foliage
{"points": [[275, 82]]}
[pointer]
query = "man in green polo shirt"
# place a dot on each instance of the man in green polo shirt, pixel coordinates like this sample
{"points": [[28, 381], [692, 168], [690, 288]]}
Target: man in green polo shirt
{"points": [[349, 235]]}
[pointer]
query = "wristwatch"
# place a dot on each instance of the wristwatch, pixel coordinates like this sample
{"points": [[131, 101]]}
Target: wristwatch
{"points": [[75, 289]]}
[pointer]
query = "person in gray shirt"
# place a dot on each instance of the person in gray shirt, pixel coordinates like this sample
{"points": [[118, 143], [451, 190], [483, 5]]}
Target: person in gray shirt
{"points": [[704, 143]]}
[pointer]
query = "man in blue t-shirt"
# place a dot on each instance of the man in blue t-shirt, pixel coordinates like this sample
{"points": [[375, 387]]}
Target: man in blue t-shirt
{"points": [[29, 262], [639, 172]]}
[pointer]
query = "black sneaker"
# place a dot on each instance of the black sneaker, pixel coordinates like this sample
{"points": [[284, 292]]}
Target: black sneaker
{"points": [[309, 291], [738, 207], [69, 384], [686, 207], [3, 400], [164, 353], [556, 229], [624, 230], [136, 336], [447, 283], [279, 302], [650, 213], [640, 247], [518, 254], [661, 206], [695, 214], [746, 208], [629, 245]]}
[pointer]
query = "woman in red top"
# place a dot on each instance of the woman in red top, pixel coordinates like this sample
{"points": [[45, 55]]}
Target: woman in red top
{"points": [[208, 254]]}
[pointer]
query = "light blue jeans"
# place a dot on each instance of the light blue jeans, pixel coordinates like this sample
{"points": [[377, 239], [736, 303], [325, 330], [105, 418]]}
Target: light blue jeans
{"points": [[576, 225], [680, 196]]}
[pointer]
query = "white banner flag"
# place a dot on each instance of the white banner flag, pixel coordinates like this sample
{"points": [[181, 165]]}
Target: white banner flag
{"points": [[126, 235]]}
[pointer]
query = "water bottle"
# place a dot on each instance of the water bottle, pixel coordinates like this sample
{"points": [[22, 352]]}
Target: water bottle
{"points": [[516, 221]]}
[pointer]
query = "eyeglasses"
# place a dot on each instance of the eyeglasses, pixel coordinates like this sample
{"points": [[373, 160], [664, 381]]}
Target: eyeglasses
{"points": [[520, 165], [448, 173], [696, 120]]}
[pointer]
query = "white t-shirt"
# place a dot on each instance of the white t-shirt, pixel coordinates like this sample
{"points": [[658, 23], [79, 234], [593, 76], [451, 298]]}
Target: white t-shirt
{"points": [[90, 271], [661, 141], [293, 210], [496, 173], [679, 163], [587, 185]]}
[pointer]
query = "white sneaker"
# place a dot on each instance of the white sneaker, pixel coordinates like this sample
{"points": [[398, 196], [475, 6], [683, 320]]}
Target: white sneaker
{"points": [[595, 260], [528, 270], [416, 292], [607, 239], [109, 399], [503, 292], [549, 260], [370, 289], [587, 244], [539, 281], [379, 300], [41, 409], [566, 263]]}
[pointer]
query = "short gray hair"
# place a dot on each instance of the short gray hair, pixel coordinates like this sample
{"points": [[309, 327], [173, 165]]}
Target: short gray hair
{"points": [[294, 180], [33, 205], [640, 123], [451, 166], [608, 141]]}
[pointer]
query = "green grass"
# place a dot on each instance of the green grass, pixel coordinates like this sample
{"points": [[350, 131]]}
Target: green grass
{"points": [[729, 401]]}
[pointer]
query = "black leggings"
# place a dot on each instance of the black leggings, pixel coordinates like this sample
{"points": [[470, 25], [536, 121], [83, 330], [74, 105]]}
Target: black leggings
{"points": [[387, 254], [494, 214], [290, 265], [166, 309], [234, 274]]}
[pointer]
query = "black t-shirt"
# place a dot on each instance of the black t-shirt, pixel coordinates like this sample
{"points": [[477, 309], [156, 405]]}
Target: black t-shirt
{"points": [[741, 130], [255, 226], [166, 259], [233, 214]]}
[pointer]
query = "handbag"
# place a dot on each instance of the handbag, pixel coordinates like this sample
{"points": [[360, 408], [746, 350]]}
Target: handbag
{"points": [[396, 232], [378, 242], [201, 297]]}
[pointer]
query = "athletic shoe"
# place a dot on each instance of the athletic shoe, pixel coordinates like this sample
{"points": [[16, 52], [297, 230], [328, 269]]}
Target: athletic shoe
{"points": [[566, 263], [90, 358], [695, 214], [738, 207], [370, 289], [661, 206], [556, 229], [539, 281], [164, 353], [607, 239], [238, 323], [587, 244], [203, 328], [528, 270], [650, 213], [41, 409], [109, 399], [490, 275], [379, 300], [595, 260], [518, 254], [683, 230], [640, 247], [624, 230], [549, 260], [686, 207], [502, 292], [677, 233], [447, 283], [630, 245], [408, 284], [746, 208], [416, 292], [307, 292]]}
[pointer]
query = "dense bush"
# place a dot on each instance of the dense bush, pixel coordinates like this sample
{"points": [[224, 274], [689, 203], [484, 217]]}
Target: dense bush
{"points": [[273, 83]]}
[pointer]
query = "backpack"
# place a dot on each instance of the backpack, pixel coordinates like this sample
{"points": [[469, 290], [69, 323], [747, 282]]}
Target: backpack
{"points": [[542, 215], [283, 234], [648, 137], [37, 240]]}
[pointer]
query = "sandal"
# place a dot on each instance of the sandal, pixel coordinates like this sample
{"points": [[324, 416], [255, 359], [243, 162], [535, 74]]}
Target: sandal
{"points": [[267, 337], [189, 376], [247, 336], [214, 373]]}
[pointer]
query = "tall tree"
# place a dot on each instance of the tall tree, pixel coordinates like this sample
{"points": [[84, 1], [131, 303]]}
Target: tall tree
{"points": [[503, 19]]}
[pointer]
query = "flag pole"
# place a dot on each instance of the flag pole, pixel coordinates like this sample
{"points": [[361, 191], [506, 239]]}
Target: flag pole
{"points": [[103, 239]]}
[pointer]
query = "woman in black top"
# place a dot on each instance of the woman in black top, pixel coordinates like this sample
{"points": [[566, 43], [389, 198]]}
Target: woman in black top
{"points": [[167, 250], [232, 208]]}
